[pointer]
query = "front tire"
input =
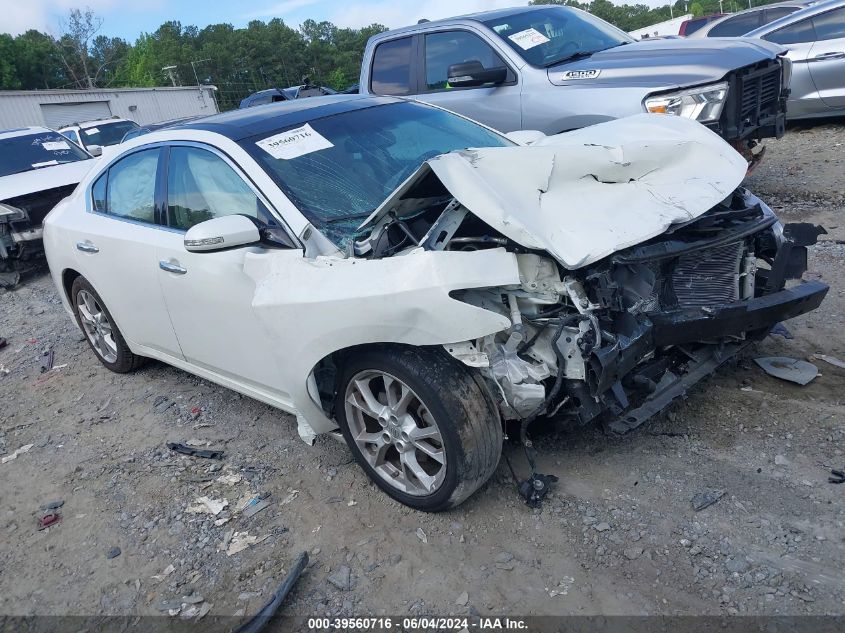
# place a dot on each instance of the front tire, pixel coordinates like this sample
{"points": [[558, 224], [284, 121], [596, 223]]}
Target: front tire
{"points": [[421, 425], [100, 330]]}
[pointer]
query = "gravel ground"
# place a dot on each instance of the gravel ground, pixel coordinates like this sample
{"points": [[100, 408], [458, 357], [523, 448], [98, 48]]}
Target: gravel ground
{"points": [[617, 536]]}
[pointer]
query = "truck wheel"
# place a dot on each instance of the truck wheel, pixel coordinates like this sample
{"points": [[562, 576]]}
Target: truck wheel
{"points": [[100, 330], [422, 426]]}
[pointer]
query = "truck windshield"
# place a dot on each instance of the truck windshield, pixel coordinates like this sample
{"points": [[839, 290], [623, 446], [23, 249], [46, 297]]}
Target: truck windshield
{"points": [[105, 134], [339, 168], [545, 37], [34, 151]]}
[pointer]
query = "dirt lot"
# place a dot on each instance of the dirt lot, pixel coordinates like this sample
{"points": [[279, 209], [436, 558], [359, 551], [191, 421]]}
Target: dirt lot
{"points": [[618, 536]]}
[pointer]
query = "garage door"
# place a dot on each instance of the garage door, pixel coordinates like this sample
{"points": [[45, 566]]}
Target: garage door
{"points": [[58, 114]]}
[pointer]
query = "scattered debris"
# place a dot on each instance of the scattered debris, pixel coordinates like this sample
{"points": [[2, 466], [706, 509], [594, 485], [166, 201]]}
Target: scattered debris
{"points": [[291, 496], [701, 500], [781, 460], [352, 502], [195, 441], [230, 479], [838, 477], [53, 505], [114, 552], [263, 617], [780, 330], [342, 578], [48, 520], [206, 505], [23, 449], [562, 588], [167, 571], [601, 527], [462, 599], [184, 449], [832, 360], [791, 369], [241, 541], [3, 342], [47, 361], [421, 535], [254, 508]]}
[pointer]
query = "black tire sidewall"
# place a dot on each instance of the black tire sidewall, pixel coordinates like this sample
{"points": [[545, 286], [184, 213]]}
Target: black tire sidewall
{"points": [[126, 360], [408, 366]]}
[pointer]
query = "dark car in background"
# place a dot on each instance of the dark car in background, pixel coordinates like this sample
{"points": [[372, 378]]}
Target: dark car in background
{"points": [[274, 95]]}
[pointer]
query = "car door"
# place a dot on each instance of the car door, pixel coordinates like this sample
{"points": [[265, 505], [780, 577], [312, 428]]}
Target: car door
{"points": [[115, 242], [208, 295], [498, 106], [799, 38], [827, 57]]}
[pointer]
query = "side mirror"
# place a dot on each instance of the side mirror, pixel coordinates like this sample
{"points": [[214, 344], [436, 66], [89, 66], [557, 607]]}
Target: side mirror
{"points": [[218, 234], [95, 150], [472, 73], [525, 137]]}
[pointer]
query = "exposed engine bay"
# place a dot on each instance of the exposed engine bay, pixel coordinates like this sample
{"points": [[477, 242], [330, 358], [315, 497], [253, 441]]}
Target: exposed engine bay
{"points": [[619, 338]]}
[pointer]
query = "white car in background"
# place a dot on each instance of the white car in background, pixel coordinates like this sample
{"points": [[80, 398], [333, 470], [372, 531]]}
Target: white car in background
{"points": [[417, 279], [38, 167], [93, 136]]}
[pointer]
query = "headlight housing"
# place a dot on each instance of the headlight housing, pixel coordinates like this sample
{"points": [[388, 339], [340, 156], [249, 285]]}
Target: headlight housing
{"points": [[703, 104]]}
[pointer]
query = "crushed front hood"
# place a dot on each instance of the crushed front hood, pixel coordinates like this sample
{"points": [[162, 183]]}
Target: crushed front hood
{"points": [[584, 195], [45, 178]]}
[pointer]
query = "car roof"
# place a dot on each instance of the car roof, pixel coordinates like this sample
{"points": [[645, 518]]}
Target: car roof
{"points": [[23, 131], [243, 123], [481, 16], [94, 123], [813, 9], [727, 16]]}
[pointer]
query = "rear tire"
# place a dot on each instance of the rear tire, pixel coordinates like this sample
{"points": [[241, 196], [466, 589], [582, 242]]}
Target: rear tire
{"points": [[421, 425], [100, 330]]}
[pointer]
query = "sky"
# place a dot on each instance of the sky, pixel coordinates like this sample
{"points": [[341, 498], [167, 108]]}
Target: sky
{"points": [[129, 18]]}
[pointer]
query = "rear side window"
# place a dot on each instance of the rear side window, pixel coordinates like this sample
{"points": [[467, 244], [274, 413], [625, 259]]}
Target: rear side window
{"points": [[739, 25], [391, 73], [454, 47], [127, 189], [776, 13], [794, 33], [830, 25]]}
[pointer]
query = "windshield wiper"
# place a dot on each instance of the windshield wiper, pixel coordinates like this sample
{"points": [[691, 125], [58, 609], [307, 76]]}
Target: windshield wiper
{"points": [[581, 55], [352, 216]]}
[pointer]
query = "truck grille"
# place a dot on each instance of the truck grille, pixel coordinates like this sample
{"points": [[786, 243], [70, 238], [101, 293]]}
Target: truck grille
{"points": [[708, 278], [760, 91]]}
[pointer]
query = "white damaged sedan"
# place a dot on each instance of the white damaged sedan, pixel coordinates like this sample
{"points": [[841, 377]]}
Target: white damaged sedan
{"points": [[419, 281]]}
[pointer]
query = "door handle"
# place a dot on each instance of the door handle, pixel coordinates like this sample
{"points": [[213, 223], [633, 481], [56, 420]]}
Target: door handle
{"points": [[830, 55], [87, 247], [172, 268]]}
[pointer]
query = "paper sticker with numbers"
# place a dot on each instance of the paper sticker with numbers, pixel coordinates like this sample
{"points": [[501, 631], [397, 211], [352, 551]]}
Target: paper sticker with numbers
{"points": [[528, 39], [294, 143]]}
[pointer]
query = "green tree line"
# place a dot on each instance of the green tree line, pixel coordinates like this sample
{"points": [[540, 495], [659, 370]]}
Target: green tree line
{"points": [[238, 61]]}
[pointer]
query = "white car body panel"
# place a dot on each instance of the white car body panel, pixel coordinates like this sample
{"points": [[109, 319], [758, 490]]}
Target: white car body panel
{"points": [[50, 177], [258, 320], [586, 194]]}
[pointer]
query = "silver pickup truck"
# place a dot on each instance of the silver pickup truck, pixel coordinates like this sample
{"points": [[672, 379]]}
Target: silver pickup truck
{"points": [[555, 68]]}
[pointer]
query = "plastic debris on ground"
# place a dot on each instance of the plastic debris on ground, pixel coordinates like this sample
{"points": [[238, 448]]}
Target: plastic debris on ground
{"points": [[421, 535], [241, 541], [254, 508], [291, 496], [49, 520], [837, 477], [831, 360], [780, 330], [3, 342], [23, 449], [798, 371], [701, 500], [167, 571], [207, 505], [184, 449], [47, 361]]}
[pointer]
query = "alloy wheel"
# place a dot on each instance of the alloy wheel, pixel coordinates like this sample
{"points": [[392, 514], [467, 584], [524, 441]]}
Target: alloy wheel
{"points": [[98, 328], [395, 432]]}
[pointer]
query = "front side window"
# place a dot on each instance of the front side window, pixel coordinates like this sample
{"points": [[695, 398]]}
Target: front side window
{"points": [[35, 151], [339, 168], [830, 25], [130, 187], [391, 74], [454, 47], [545, 37], [201, 186], [797, 33], [105, 134]]}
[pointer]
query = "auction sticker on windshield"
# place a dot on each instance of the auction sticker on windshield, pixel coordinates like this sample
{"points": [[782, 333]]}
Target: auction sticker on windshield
{"points": [[55, 146], [91, 131], [294, 143], [528, 39]]}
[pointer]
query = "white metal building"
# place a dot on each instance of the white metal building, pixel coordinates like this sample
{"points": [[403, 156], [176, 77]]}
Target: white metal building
{"points": [[55, 108], [668, 27]]}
